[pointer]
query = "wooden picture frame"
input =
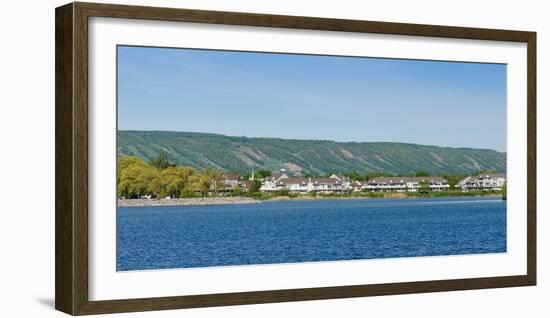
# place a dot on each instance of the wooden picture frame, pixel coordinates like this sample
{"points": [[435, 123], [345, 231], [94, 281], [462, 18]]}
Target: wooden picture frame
{"points": [[71, 124]]}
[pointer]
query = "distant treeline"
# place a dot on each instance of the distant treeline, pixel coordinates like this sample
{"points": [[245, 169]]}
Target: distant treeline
{"points": [[159, 178]]}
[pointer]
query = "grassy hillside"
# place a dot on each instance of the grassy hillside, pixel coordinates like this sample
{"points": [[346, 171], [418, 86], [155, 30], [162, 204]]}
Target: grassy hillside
{"points": [[241, 154]]}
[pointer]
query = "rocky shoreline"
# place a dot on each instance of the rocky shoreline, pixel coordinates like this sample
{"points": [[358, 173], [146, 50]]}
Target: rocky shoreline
{"points": [[245, 200], [185, 201]]}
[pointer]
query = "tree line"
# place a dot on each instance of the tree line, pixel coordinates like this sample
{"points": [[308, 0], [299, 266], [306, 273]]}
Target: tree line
{"points": [[159, 178]]}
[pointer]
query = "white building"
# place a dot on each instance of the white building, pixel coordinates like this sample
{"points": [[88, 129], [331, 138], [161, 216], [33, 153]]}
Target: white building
{"points": [[280, 181], [299, 185], [357, 186], [485, 181], [272, 183], [332, 184], [402, 184]]}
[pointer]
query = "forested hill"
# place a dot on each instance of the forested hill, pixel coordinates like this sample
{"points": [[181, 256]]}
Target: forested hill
{"points": [[242, 154]]}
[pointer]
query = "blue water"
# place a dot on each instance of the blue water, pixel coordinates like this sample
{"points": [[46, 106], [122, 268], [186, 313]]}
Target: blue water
{"points": [[306, 231]]}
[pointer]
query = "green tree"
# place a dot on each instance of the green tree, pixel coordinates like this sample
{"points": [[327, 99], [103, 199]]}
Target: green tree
{"points": [[255, 186], [424, 186], [177, 179], [174, 182], [188, 177], [203, 183], [421, 173], [161, 161], [260, 174], [216, 179], [126, 161], [237, 192], [134, 176], [376, 174], [485, 172], [453, 180], [354, 175], [157, 187]]}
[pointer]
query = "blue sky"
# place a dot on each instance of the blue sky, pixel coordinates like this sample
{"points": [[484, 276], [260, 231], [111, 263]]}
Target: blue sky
{"points": [[295, 96]]}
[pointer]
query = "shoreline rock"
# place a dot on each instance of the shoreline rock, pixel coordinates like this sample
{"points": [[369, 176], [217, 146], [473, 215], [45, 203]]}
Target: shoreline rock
{"points": [[127, 203], [388, 195]]}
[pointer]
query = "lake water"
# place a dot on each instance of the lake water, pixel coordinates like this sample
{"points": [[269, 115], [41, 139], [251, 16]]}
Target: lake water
{"points": [[307, 231]]}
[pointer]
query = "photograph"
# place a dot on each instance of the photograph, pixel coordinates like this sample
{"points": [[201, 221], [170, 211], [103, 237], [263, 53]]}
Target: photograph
{"points": [[241, 158]]}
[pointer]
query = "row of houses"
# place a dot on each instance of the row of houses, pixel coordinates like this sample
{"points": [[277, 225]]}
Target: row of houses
{"points": [[486, 181], [406, 184], [341, 184], [333, 184]]}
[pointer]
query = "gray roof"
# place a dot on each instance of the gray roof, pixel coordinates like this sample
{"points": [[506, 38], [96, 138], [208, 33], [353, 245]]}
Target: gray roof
{"points": [[491, 175], [325, 181], [287, 181], [400, 180], [231, 176], [341, 177], [276, 175]]}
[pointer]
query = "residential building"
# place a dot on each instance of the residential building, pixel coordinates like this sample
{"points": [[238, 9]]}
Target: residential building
{"points": [[246, 185], [338, 183], [357, 186], [280, 181], [230, 182], [405, 184], [346, 182], [300, 185], [485, 181], [328, 185], [276, 176]]}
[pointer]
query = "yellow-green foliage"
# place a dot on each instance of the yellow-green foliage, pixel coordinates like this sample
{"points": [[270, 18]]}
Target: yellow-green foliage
{"points": [[138, 178], [134, 177]]}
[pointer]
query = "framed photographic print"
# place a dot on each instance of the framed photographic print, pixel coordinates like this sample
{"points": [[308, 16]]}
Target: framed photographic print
{"points": [[211, 158]]}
